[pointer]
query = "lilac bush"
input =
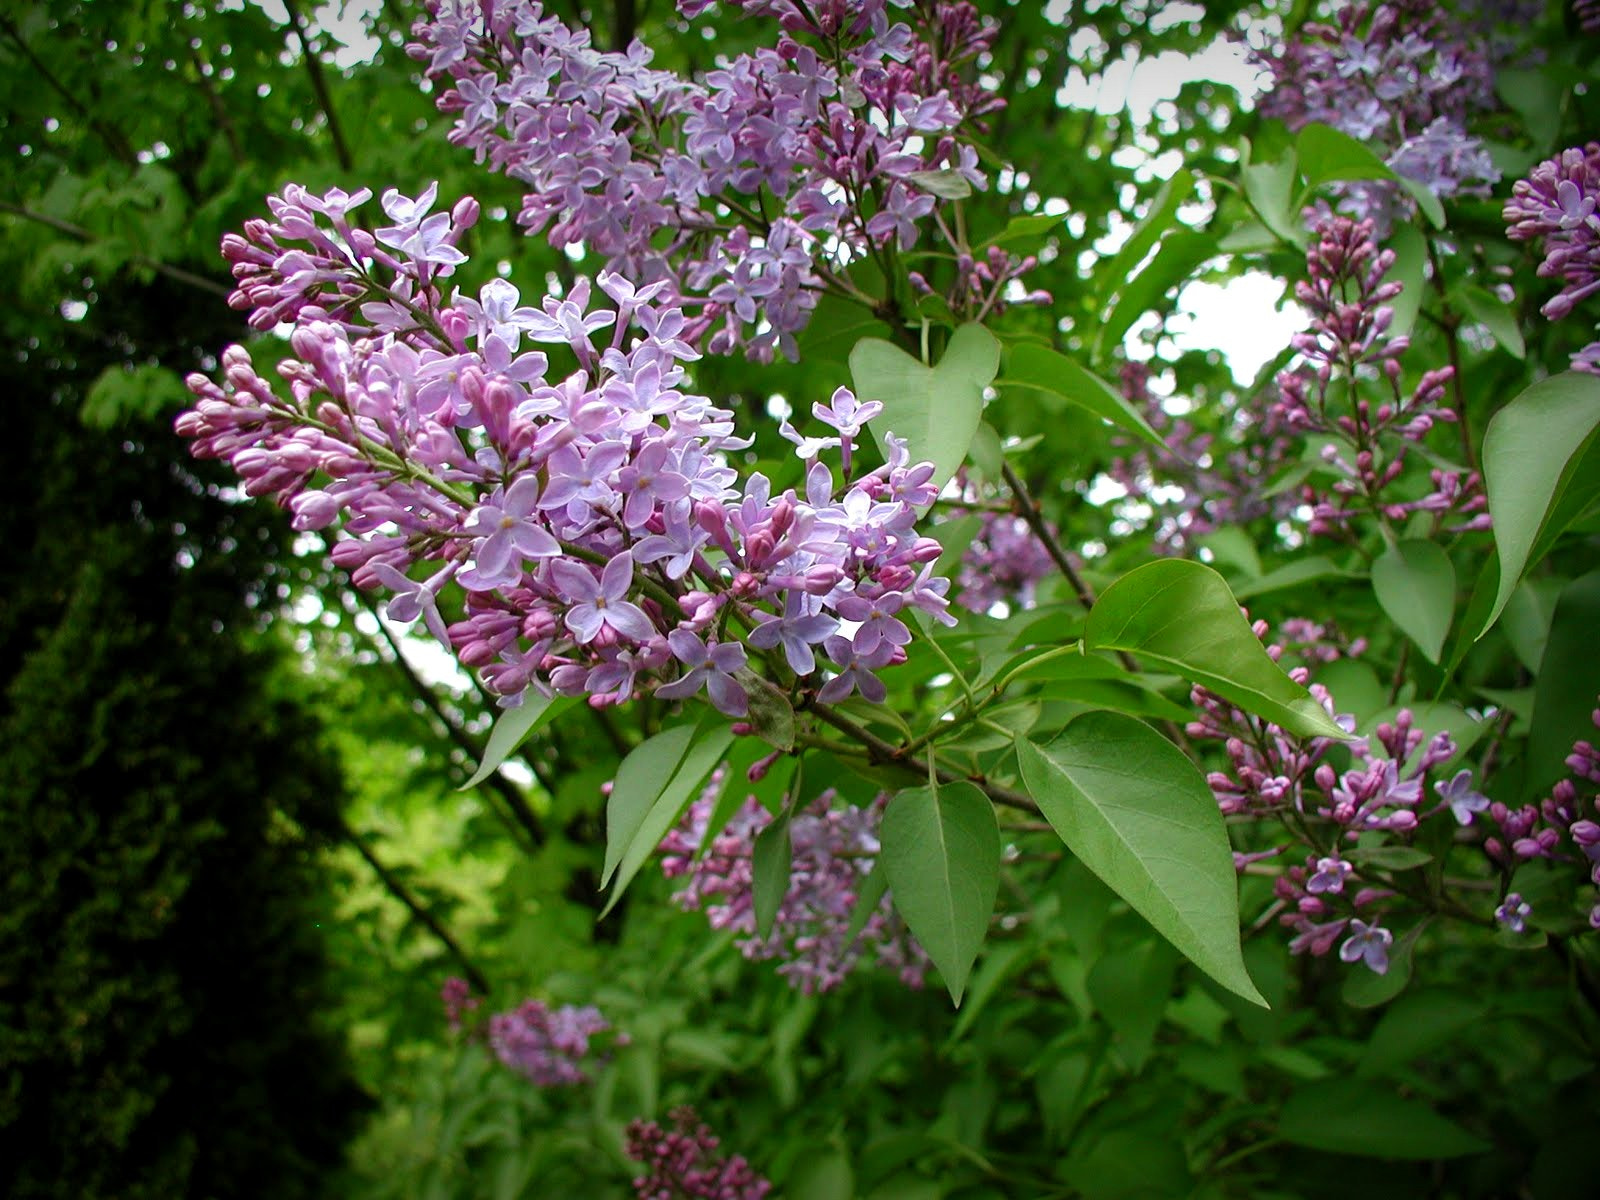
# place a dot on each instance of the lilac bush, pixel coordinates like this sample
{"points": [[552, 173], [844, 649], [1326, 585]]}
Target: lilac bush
{"points": [[1403, 78], [550, 1047], [1348, 344]]}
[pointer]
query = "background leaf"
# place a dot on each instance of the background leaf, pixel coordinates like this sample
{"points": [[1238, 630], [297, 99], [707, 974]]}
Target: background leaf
{"points": [[1416, 585], [1526, 451]]}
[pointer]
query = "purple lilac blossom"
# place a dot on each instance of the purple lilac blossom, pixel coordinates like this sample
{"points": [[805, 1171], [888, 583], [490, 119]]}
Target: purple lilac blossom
{"points": [[1004, 564], [1514, 912], [1556, 205], [1278, 780], [1563, 827], [592, 520], [838, 152], [833, 848], [1405, 79], [547, 1046], [1348, 346], [685, 1162]]}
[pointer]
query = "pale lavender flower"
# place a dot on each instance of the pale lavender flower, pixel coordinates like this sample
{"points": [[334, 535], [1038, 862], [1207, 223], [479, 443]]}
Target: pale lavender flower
{"points": [[1369, 944], [598, 604], [1458, 793], [1513, 913], [508, 532], [711, 666]]}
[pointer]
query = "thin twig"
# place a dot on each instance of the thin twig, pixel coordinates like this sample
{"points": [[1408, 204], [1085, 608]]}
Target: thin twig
{"points": [[319, 85], [81, 234], [418, 911]]}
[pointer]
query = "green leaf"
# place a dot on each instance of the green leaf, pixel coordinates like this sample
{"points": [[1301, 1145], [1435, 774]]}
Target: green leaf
{"points": [[513, 727], [638, 784], [1025, 229], [1138, 813], [1030, 365], [770, 859], [1416, 585], [125, 393], [868, 896], [657, 784], [1495, 315], [1180, 254], [935, 409], [1564, 695], [1181, 614], [999, 964], [1390, 858], [1328, 156], [1351, 1116], [1163, 212], [941, 858], [821, 1173], [1526, 619], [1527, 449], [1417, 1024], [1269, 187], [1130, 988], [1410, 246], [946, 183], [987, 453], [1291, 575]]}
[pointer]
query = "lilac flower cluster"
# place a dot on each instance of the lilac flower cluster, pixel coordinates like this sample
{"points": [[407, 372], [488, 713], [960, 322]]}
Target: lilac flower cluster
{"points": [[684, 1162], [1398, 77], [1563, 827], [549, 1047], [1557, 204], [1587, 14], [460, 1005], [592, 520], [833, 850], [1276, 777], [1197, 484], [1003, 565], [1347, 296], [749, 194]]}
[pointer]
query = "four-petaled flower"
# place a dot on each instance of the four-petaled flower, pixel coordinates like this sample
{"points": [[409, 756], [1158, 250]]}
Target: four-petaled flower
{"points": [[509, 533], [1368, 943], [1458, 794], [600, 603], [711, 665]]}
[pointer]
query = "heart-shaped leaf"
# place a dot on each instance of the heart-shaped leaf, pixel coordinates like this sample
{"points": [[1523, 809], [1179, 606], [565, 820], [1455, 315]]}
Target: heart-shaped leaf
{"points": [[1416, 585], [935, 409]]}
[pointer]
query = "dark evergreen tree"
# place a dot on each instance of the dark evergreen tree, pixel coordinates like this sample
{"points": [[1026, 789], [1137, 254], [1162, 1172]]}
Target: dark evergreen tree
{"points": [[161, 800]]}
